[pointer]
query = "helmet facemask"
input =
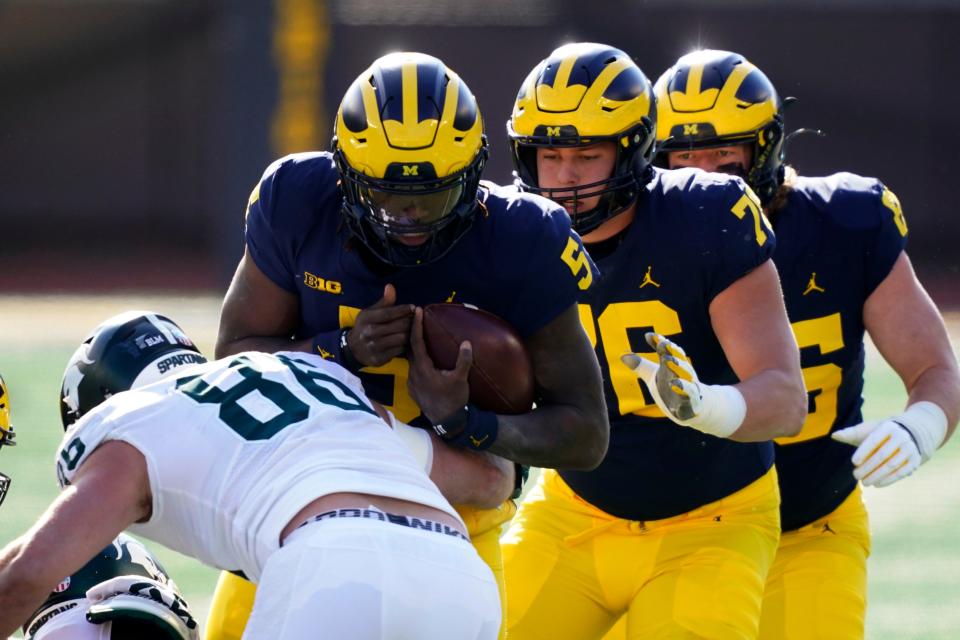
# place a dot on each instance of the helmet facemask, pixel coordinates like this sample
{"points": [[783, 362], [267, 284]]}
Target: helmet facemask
{"points": [[631, 170], [408, 223], [766, 169]]}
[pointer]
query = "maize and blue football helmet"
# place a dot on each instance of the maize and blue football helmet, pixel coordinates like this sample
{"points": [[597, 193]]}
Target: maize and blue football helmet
{"points": [[581, 94], [410, 148], [6, 434], [712, 98]]}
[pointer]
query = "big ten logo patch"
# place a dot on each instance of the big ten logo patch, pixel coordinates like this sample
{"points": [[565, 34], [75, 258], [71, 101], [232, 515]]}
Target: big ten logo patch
{"points": [[321, 284]]}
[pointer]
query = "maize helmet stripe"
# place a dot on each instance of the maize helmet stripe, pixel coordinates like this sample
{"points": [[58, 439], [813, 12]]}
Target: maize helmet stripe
{"points": [[4, 405], [408, 108], [569, 80], [6, 429], [559, 95], [606, 80], [411, 106]]}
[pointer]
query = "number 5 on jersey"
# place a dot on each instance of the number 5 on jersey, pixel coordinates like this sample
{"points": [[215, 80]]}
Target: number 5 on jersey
{"points": [[575, 258]]}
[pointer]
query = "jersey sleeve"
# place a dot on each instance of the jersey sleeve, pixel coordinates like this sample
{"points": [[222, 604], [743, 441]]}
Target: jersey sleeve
{"points": [[890, 239], [743, 238], [557, 273], [264, 229], [78, 443]]}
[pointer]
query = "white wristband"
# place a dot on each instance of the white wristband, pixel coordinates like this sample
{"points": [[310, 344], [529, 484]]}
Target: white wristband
{"points": [[927, 423], [722, 410]]}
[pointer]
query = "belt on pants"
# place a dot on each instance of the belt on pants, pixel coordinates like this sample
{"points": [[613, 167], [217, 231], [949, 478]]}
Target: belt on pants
{"points": [[392, 518]]}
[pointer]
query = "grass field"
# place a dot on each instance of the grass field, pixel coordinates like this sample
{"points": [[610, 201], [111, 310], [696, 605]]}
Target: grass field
{"points": [[914, 569]]}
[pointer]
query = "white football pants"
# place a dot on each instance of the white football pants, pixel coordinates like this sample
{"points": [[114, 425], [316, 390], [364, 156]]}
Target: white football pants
{"points": [[362, 579]]}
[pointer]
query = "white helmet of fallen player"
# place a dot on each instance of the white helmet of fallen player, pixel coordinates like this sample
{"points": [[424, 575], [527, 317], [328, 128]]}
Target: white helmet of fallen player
{"points": [[123, 592], [127, 351]]}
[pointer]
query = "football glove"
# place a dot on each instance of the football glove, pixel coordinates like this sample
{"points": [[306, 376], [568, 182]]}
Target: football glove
{"points": [[889, 450], [718, 410], [144, 602]]}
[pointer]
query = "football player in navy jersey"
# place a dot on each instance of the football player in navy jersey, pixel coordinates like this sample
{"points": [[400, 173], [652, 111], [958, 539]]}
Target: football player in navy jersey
{"points": [[843, 269], [343, 249], [678, 526]]}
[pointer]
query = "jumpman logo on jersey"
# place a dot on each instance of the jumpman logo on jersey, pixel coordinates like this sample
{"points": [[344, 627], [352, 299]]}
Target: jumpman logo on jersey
{"points": [[826, 529], [649, 280], [453, 294], [326, 355], [478, 441], [812, 285]]}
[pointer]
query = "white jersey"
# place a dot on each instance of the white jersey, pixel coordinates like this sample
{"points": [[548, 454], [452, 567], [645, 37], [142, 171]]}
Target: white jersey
{"points": [[236, 447]]}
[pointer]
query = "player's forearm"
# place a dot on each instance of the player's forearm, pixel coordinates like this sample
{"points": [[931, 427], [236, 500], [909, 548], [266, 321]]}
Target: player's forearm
{"points": [[491, 481], [776, 406], [939, 384], [20, 592], [555, 437]]}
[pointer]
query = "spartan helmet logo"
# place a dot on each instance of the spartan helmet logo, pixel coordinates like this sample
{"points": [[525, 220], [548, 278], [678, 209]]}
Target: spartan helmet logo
{"points": [[73, 376]]}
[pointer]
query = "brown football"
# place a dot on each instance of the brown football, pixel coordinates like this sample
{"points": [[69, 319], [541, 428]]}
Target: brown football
{"points": [[501, 379]]}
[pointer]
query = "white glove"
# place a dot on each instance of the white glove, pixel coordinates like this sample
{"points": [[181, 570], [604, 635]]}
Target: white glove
{"points": [[891, 449], [718, 410], [143, 599]]}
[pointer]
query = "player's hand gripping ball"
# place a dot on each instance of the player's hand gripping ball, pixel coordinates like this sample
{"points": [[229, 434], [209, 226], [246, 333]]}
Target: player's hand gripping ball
{"points": [[501, 378]]}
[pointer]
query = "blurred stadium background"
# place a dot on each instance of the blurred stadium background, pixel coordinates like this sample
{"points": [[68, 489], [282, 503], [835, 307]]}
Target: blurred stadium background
{"points": [[131, 132]]}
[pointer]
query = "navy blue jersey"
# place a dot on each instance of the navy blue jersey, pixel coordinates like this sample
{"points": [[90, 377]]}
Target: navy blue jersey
{"points": [[694, 234], [519, 260], [838, 238]]}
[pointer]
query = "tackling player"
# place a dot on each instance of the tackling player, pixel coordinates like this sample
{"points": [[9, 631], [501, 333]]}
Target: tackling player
{"points": [[679, 524], [276, 466], [343, 248], [843, 269], [122, 592]]}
